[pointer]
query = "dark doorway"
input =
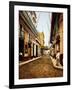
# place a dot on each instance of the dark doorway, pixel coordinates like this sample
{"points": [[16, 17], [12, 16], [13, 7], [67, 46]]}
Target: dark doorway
{"points": [[33, 49], [36, 51], [21, 46], [21, 41]]}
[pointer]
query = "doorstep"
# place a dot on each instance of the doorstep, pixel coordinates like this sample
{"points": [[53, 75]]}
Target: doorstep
{"points": [[24, 62], [54, 63]]}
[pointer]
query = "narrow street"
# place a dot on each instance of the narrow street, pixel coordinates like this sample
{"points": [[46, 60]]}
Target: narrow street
{"points": [[40, 68]]}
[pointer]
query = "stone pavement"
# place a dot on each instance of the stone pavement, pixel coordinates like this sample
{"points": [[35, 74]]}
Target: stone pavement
{"points": [[40, 68]]}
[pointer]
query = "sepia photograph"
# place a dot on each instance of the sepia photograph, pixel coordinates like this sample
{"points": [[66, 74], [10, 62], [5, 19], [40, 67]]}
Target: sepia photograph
{"points": [[39, 46]]}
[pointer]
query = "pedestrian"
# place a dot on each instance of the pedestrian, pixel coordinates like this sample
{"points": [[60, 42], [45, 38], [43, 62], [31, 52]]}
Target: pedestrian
{"points": [[58, 58]]}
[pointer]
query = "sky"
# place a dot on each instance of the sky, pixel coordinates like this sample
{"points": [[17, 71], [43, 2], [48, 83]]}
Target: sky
{"points": [[44, 25]]}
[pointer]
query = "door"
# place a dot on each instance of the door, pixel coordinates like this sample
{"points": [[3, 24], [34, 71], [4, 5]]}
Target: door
{"points": [[36, 50], [33, 49], [21, 46]]}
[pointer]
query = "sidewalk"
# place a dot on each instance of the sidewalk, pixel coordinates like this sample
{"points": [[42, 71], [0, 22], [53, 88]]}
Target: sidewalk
{"points": [[24, 62], [54, 63]]}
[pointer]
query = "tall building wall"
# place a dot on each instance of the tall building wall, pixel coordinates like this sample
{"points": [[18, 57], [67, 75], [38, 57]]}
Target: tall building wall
{"points": [[31, 38], [41, 36], [56, 37], [61, 37]]}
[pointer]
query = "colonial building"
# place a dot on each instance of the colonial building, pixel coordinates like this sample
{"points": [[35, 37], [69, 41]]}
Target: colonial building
{"points": [[41, 37], [29, 44], [56, 37]]}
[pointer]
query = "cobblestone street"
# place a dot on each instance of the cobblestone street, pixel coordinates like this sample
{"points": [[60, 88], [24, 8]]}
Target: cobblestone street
{"points": [[40, 68]]}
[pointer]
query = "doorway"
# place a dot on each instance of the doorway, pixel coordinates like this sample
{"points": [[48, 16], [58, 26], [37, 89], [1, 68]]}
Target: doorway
{"points": [[36, 51]]}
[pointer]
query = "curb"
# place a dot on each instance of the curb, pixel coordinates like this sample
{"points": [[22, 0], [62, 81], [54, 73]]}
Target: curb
{"points": [[22, 63]]}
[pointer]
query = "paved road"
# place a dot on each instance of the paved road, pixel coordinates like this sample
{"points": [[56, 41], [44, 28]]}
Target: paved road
{"points": [[40, 68]]}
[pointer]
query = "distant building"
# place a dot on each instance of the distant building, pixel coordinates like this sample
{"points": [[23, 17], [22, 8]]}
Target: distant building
{"points": [[56, 36], [41, 38], [29, 44]]}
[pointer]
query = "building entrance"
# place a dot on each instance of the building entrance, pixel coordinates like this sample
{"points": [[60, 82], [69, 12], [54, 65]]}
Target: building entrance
{"points": [[21, 46], [36, 50]]}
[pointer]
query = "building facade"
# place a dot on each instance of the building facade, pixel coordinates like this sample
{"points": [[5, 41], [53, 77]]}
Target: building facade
{"points": [[56, 37], [41, 38], [29, 44]]}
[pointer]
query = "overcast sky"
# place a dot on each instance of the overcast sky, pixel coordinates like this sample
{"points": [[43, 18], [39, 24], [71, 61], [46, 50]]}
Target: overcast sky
{"points": [[44, 25]]}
